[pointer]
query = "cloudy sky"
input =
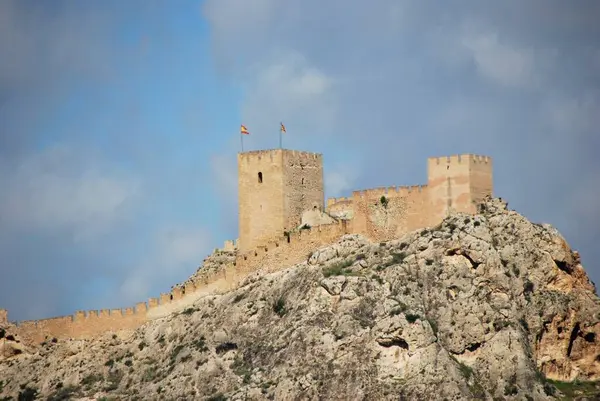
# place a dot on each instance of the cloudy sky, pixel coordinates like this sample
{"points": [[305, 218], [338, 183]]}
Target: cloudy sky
{"points": [[119, 122]]}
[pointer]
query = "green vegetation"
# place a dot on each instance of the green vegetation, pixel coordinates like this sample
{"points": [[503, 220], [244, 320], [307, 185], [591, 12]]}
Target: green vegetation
{"points": [[511, 387], [27, 393], [189, 311], [279, 307], [176, 352], [200, 344], [338, 269], [411, 317], [476, 390], [242, 369], [384, 201], [577, 389], [397, 258], [64, 393], [217, 397], [91, 379]]}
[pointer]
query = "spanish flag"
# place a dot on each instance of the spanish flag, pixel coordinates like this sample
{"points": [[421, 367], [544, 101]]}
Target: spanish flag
{"points": [[244, 130], [282, 128]]}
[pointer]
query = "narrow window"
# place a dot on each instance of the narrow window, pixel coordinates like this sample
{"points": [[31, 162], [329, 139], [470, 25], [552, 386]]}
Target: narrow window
{"points": [[260, 177], [303, 181]]}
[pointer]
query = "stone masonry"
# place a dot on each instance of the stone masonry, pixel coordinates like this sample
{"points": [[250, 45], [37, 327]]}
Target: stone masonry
{"points": [[279, 191]]}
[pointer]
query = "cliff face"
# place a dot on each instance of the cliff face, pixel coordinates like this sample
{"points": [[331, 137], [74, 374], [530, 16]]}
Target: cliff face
{"points": [[481, 307]]}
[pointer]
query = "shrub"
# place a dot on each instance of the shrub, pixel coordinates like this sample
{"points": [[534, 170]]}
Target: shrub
{"points": [[384, 201], [337, 269], [411, 317], [279, 307]]}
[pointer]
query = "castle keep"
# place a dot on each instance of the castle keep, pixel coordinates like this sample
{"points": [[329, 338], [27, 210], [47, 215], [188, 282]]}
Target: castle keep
{"points": [[283, 217]]}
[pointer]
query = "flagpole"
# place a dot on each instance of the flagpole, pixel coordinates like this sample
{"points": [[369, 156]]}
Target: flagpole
{"points": [[242, 141], [280, 138]]}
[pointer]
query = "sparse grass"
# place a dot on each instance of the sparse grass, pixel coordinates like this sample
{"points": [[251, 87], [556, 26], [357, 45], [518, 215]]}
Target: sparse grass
{"points": [[161, 339], [577, 389], [189, 311], [433, 325], [114, 379], [63, 394], [149, 374], [91, 379], [476, 390], [240, 368], [217, 397], [176, 352], [338, 269], [511, 388], [397, 258], [200, 344], [239, 297]]}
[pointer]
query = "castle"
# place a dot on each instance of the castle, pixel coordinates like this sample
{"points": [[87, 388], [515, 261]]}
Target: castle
{"points": [[283, 217]]}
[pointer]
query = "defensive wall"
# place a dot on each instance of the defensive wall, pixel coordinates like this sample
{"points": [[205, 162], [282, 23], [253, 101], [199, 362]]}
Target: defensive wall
{"points": [[284, 251], [454, 183]]}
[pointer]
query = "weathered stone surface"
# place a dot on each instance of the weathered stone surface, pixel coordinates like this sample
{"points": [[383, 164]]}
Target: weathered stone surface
{"points": [[479, 307]]}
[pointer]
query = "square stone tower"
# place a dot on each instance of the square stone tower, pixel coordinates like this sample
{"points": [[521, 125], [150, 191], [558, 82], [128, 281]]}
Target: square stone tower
{"points": [[458, 183], [274, 188]]}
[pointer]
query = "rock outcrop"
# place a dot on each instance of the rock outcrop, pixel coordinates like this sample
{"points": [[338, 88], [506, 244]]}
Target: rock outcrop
{"points": [[489, 306]]}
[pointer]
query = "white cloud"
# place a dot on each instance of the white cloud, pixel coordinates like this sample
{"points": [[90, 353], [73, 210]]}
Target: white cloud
{"points": [[340, 180], [505, 64], [54, 190], [288, 88], [572, 114], [176, 255]]}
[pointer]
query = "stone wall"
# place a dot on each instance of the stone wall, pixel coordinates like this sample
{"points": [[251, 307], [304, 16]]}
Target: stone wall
{"points": [[292, 182], [282, 252], [401, 210], [455, 183]]}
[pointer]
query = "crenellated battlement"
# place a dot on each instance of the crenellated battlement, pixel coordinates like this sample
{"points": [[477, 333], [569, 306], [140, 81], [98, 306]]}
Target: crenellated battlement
{"points": [[389, 191], [454, 182], [459, 159], [291, 248], [271, 154], [333, 201]]}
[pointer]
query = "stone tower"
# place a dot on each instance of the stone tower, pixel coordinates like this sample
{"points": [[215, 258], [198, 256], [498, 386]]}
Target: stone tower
{"points": [[274, 188], [3, 317], [458, 183]]}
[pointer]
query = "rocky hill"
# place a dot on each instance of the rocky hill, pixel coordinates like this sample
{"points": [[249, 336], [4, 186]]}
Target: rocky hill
{"points": [[490, 306]]}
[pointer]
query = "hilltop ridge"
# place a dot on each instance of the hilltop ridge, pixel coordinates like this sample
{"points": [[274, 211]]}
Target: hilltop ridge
{"points": [[484, 306]]}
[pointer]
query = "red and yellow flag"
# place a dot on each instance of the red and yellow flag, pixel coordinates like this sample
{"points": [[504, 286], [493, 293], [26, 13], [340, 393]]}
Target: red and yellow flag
{"points": [[282, 128], [244, 130]]}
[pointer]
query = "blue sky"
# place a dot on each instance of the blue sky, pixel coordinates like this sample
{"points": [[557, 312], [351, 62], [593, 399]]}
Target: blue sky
{"points": [[119, 123]]}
